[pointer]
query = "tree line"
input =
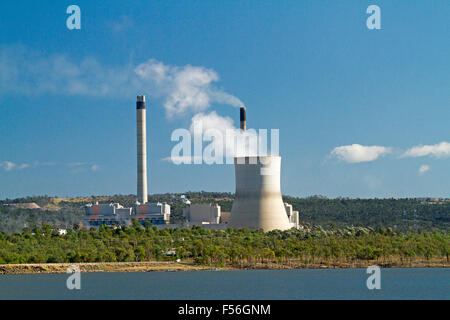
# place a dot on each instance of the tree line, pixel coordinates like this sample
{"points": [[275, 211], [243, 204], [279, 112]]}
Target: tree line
{"points": [[231, 247]]}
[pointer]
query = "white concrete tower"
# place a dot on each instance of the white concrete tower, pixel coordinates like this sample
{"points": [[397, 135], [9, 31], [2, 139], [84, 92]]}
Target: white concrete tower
{"points": [[141, 126], [258, 203]]}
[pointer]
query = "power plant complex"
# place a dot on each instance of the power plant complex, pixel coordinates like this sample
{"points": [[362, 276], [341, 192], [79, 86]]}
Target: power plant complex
{"points": [[113, 213], [258, 202]]}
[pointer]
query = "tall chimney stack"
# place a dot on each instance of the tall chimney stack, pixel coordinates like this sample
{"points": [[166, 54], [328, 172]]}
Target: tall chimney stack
{"points": [[141, 126], [243, 119]]}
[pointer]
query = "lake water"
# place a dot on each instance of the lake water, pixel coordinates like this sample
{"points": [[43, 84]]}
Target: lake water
{"points": [[252, 284]]}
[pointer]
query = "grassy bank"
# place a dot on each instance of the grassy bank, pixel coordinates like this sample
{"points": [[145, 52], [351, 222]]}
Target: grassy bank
{"points": [[35, 268], [47, 268]]}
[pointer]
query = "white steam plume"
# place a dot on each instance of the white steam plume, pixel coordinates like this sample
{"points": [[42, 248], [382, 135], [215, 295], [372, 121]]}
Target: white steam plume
{"points": [[185, 89]]}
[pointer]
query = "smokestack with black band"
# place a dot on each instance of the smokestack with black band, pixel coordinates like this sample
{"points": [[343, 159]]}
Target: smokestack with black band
{"points": [[141, 126], [243, 119]]}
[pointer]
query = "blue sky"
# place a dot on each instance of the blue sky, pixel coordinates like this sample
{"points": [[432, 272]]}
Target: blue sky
{"points": [[360, 111]]}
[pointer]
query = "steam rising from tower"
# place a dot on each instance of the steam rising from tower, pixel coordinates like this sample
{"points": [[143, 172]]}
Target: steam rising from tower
{"points": [[258, 203], [141, 126]]}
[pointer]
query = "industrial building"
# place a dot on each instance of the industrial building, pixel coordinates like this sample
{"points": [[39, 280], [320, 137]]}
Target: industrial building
{"points": [[292, 216], [199, 214], [156, 213], [114, 213], [107, 214], [209, 215]]}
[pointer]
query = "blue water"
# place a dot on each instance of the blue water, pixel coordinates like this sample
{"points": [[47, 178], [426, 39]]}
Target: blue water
{"points": [[252, 284]]}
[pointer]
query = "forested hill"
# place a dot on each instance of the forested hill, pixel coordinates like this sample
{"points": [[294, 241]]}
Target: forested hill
{"points": [[399, 214]]}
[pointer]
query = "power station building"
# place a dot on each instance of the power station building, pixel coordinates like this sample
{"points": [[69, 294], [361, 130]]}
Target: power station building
{"points": [[107, 214], [114, 213], [156, 213], [211, 216], [198, 214], [258, 203], [293, 216]]}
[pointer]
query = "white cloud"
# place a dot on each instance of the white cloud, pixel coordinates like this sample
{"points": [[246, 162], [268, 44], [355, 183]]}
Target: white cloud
{"points": [[75, 166], [357, 153], [424, 168], [30, 72], [8, 166], [78, 167], [437, 150], [184, 89]]}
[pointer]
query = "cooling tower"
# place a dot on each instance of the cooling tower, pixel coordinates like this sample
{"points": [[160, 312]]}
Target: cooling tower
{"points": [[141, 126], [258, 203]]}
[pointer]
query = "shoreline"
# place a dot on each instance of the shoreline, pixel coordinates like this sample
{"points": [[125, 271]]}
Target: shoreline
{"points": [[169, 266]]}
